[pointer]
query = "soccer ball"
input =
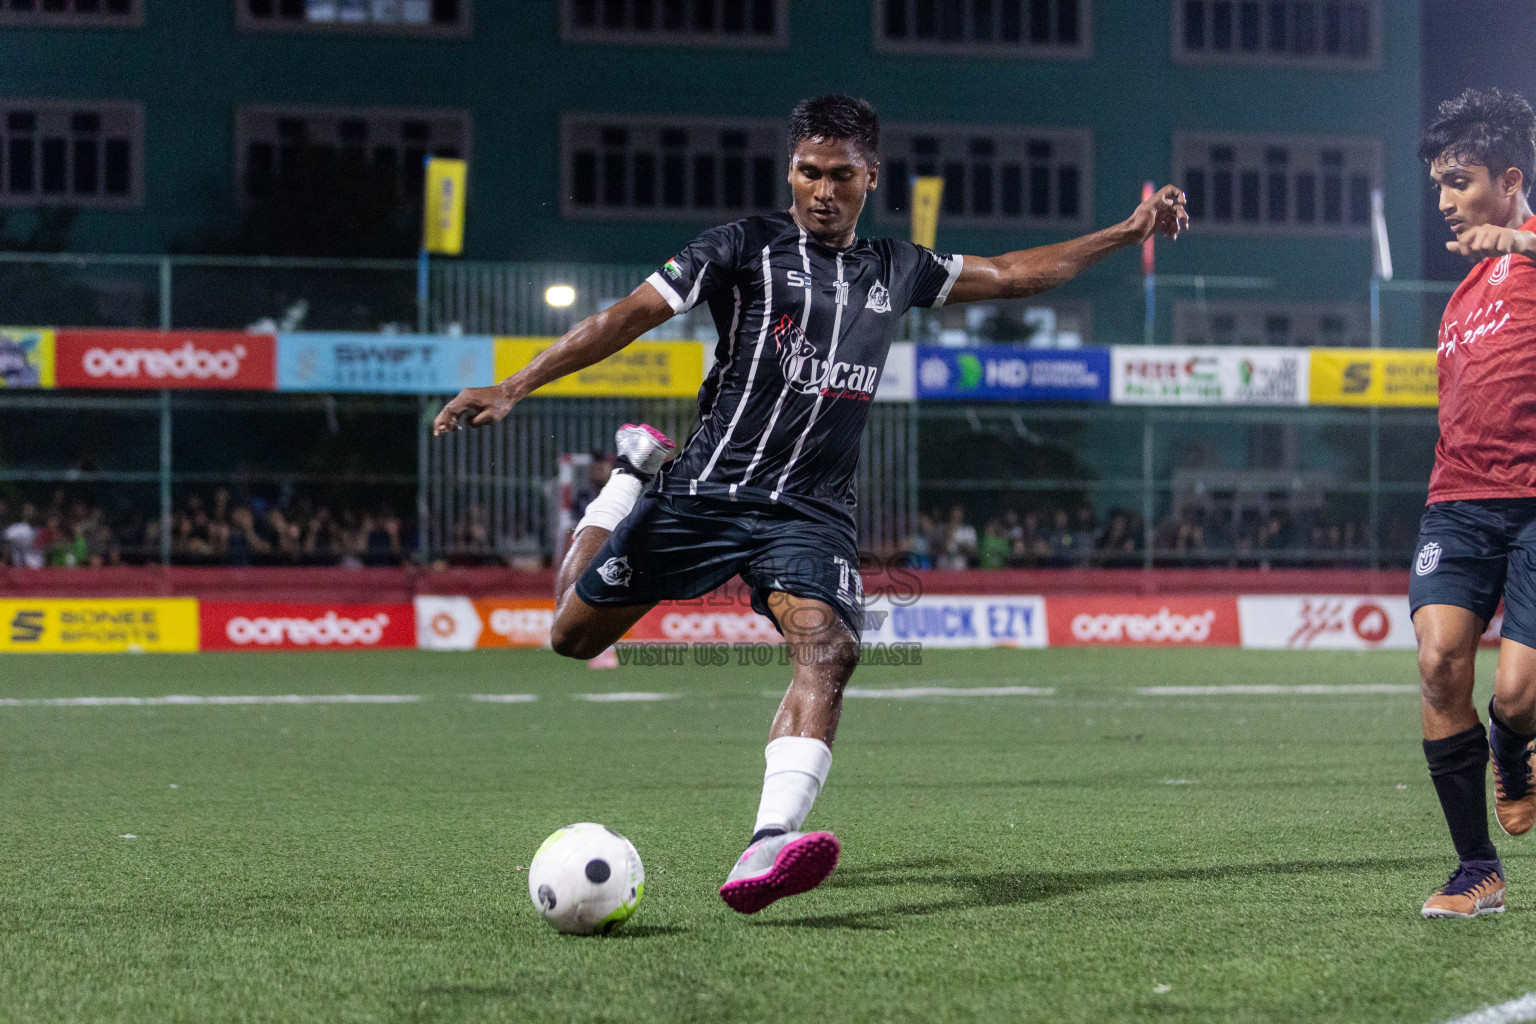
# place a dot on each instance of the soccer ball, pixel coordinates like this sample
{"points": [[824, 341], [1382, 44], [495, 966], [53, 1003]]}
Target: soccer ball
{"points": [[586, 879]]}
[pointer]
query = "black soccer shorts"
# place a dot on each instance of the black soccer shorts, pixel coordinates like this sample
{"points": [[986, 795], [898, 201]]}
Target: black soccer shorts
{"points": [[1473, 552], [676, 547]]}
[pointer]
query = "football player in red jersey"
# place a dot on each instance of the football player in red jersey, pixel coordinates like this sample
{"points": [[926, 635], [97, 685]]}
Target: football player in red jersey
{"points": [[1477, 539]]}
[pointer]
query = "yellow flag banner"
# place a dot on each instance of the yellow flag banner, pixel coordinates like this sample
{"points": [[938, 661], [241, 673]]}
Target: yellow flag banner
{"points": [[93, 626], [1375, 377], [442, 229], [927, 193], [26, 357], [644, 369]]}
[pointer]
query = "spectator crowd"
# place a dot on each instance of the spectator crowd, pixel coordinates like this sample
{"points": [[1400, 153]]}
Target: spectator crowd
{"points": [[1061, 538], [66, 532]]}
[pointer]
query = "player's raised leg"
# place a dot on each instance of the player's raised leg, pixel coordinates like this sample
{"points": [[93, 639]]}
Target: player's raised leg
{"points": [[581, 630], [781, 860], [1456, 747], [1512, 737]]}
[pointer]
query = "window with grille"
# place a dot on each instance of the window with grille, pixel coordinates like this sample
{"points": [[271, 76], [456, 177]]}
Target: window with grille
{"points": [[424, 17], [1037, 28], [993, 177], [71, 154], [1251, 324], [1342, 33], [687, 22], [1295, 185], [673, 168], [85, 13], [299, 150]]}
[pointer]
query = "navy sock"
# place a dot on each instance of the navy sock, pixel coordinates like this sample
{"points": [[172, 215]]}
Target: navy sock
{"points": [[764, 833], [1508, 745], [1458, 766]]}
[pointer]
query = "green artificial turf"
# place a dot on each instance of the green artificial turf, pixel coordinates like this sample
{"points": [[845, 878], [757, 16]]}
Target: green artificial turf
{"points": [[1091, 856]]}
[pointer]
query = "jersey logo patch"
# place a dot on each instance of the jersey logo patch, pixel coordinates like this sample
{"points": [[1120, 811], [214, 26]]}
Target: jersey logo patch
{"points": [[615, 572], [1500, 270], [673, 270], [879, 298], [803, 372], [1429, 559]]}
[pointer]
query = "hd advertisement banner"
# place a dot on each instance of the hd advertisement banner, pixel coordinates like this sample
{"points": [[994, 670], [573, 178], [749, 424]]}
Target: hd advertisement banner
{"points": [[383, 363], [1152, 375], [1007, 373]]}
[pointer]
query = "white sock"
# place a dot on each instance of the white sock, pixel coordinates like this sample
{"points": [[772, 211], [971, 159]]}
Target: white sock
{"points": [[612, 503], [797, 769]]}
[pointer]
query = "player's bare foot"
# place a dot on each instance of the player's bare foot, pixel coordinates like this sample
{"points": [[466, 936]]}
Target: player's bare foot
{"points": [[1475, 887], [779, 866]]}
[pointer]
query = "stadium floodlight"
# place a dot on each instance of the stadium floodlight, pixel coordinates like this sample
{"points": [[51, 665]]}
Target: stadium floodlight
{"points": [[560, 295]]}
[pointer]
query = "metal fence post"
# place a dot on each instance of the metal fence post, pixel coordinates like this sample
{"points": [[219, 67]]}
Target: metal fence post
{"points": [[165, 478], [1148, 506], [165, 293], [1375, 502]]}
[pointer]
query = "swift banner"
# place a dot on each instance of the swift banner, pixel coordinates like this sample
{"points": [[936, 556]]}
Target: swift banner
{"points": [[226, 360], [99, 626], [1375, 377], [644, 369], [1145, 375], [26, 357], [1011, 373], [383, 363]]}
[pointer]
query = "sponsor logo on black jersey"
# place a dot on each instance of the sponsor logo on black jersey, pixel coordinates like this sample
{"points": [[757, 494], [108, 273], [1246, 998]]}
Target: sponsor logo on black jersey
{"points": [[806, 373]]}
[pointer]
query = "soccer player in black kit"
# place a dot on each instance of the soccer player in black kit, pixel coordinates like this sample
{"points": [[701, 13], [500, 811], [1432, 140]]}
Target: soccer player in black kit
{"points": [[806, 311]]}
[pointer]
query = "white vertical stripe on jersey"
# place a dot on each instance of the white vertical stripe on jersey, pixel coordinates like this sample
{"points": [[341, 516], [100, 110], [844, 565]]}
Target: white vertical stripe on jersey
{"points": [[810, 423], [805, 327], [718, 372], [757, 356], [954, 265]]}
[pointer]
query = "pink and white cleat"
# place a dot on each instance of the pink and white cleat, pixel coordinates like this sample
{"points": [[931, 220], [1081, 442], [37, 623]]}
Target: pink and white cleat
{"points": [[779, 866], [642, 449]]}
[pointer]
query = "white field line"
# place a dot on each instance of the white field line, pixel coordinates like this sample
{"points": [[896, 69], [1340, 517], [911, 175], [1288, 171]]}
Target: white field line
{"points": [[606, 698], [1516, 1011], [915, 692], [1267, 689], [504, 698], [179, 700]]}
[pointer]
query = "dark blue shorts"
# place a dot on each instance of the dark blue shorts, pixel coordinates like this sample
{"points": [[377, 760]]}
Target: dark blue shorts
{"points": [[1471, 553], [676, 547]]}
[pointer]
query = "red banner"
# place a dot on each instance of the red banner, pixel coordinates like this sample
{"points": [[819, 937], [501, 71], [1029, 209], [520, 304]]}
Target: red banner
{"points": [[1142, 621], [306, 627], [166, 359], [704, 622]]}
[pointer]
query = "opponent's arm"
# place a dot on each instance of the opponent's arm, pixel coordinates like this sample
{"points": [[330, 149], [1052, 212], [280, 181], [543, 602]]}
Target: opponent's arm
{"points": [[591, 341], [1487, 240], [1031, 271]]}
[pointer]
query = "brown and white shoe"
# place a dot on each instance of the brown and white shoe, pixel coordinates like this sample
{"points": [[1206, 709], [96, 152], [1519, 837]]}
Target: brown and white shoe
{"points": [[1475, 887], [1514, 794]]}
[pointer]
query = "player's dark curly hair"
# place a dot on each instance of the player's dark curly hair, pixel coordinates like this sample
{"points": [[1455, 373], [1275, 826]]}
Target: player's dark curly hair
{"points": [[836, 117], [1485, 126]]}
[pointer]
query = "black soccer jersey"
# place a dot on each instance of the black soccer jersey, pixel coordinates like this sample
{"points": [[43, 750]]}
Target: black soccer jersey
{"points": [[804, 332]]}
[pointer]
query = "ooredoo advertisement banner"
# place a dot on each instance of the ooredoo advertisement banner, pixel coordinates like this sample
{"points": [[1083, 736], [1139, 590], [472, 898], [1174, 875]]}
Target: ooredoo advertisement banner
{"points": [[1113, 621], [703, 621], [1326, 622], [225, 360], [260, 626], [99, 626], [1148, 375]]}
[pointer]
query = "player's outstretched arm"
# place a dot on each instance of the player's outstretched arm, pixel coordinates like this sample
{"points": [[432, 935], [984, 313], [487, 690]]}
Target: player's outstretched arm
{"points": [[1489, 241], [1031, 271], [591, 341]]}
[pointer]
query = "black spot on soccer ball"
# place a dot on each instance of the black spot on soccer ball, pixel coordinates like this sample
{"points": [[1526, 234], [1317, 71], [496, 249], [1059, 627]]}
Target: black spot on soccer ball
{"points": [[546, 898], [598, 871]]}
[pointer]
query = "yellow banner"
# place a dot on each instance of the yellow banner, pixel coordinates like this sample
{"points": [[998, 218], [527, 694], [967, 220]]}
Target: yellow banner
{"points": [[1375, 377], [442, 229], [644, 369], [26, 357], [926, 194], [89, 626]]}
